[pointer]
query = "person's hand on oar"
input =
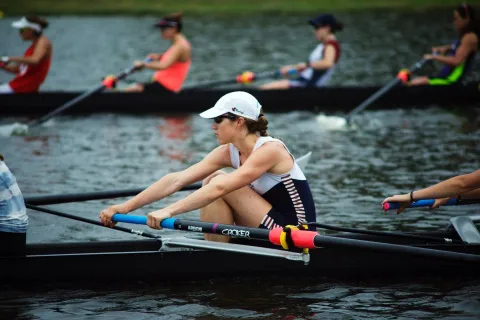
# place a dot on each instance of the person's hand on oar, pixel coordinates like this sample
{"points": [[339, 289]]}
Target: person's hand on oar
{"points": [[404, 200], [154, 56], [107, 214], [440, 202], [139, 64], [155, 218]]}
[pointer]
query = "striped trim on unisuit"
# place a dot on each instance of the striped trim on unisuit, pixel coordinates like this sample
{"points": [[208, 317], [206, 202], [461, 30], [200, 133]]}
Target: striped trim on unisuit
{"points": [[297, 202], [268, 222]]}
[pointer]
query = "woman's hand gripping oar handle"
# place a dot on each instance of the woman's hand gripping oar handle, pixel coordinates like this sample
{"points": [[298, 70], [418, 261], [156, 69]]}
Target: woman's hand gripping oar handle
{"points": [[429, 202], [166, 223]]}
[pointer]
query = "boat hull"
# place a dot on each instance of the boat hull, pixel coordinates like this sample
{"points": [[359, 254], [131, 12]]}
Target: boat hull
{"points": [[329, 99], [144, 261]]}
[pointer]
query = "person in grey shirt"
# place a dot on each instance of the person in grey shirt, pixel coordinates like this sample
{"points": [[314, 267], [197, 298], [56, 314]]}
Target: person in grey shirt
{"points": [[13, 214]]}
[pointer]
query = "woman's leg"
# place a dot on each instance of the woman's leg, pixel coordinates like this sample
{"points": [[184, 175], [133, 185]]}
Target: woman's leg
{"points": [[243, 207], [419, 81], [279, 84], [137, 87]]}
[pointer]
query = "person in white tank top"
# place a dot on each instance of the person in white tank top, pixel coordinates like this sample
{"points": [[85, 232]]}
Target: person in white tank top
{"points": [[267, 190], [319, 67]]}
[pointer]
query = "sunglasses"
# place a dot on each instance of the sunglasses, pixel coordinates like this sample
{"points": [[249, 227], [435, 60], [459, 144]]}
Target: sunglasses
{"points": [[22, 30], [219, 119]]}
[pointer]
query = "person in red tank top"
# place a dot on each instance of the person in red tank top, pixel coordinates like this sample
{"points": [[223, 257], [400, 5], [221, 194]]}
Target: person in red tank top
{"points": [[31, 69], [318, 68], [172, 67]]}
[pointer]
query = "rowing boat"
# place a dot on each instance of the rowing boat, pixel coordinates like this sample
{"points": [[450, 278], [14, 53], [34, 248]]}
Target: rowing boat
{"points": [[186, 258], [328, 99]]}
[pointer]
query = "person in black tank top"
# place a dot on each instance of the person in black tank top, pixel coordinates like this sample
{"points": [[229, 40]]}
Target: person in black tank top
{"points": [[458, 57], [267, 189]]}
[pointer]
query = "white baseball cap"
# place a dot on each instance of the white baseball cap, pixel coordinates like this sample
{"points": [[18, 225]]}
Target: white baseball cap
{"points": [[240, 103], [24, 23]]}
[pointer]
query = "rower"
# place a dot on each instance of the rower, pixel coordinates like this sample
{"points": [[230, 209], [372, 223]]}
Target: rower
{"points": [[458, 57], [466, 186], [171, 68], [318, 69], [13, 214], [267, 190], [31, 69]]}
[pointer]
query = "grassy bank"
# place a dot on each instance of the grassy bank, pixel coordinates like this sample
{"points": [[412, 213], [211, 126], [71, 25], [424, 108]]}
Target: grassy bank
{"points": [[158, 7]]}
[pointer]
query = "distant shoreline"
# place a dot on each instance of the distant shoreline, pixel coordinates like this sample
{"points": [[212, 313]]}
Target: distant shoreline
{"points": [[217, 7]]}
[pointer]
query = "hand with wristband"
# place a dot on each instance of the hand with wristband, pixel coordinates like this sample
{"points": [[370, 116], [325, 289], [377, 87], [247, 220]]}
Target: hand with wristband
{"points": [[466, 186]]}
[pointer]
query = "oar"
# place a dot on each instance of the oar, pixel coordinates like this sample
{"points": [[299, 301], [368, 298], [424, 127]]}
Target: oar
{"points": [[387, 234], [90, 221], [417, 66], [106, 83], [339, 122], [429, 202], [244, 78], [300, 238], [74, 197]]}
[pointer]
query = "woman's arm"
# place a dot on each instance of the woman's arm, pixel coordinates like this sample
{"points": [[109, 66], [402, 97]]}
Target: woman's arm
{"points": [[257, 164], [171, 183], [449, 188], [12, 68], [468, 44], [442, 49], [173, 57], [41, 50], [327, 62]]}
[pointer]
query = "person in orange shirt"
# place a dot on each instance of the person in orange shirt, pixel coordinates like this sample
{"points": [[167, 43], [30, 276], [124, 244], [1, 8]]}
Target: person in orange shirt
{"points": [[171, 68], [31, 69]]}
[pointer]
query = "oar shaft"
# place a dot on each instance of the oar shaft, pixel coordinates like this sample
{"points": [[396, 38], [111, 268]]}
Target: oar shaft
{"points": [[337, 242], [429, 202], [300, 238], [199, 226], [387, 234], [75, 197], [417, 66], [81, 97], [65, 106], [90, 221]]}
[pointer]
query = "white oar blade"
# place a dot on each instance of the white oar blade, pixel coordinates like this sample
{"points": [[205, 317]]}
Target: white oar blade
{"points": [[331, 123], [14, 129]]}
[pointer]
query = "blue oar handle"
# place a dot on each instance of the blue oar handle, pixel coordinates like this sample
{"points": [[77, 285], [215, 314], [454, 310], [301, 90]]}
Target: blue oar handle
{"points": [[419, 203], [167, 223]]}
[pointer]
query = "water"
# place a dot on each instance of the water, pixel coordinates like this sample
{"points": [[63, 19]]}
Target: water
{"points": [[350, 173], [375, 45]]}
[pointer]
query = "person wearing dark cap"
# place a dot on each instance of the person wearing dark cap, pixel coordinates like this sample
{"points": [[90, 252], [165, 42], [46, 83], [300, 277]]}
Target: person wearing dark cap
{"points": [[317, 70], [457, 58], [172, 67]]}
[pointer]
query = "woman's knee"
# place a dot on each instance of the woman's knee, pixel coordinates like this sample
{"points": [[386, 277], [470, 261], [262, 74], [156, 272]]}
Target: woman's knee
{"points": [[212, 176]]}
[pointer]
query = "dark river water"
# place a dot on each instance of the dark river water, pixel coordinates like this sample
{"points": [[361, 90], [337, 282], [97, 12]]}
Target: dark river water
{"points": [[350, 173]]}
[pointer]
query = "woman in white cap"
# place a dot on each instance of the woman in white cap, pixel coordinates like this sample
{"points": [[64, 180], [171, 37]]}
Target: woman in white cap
{"points": [[31, 69], [267, 190]]}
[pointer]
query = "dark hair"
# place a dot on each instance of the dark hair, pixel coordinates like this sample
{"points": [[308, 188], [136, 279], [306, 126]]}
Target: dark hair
{"points": [[176, 17], [468, 12], [260, 126], [337, 27], [40, 21], [34, 19]]}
